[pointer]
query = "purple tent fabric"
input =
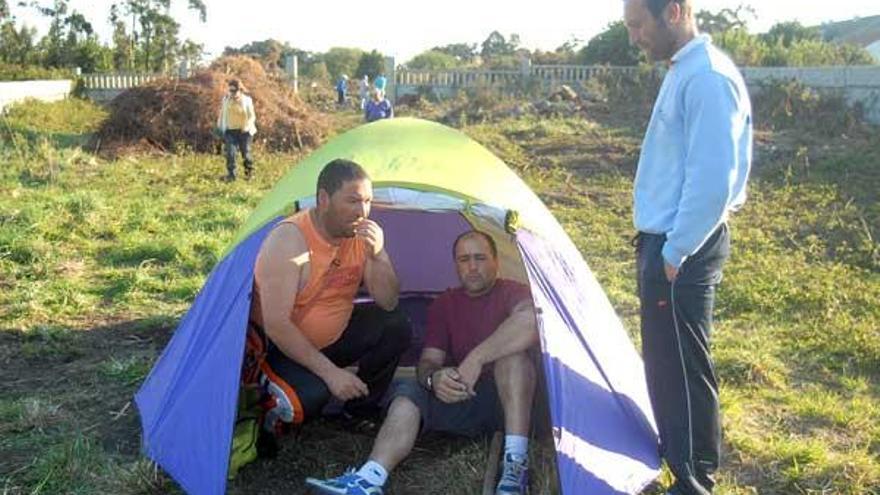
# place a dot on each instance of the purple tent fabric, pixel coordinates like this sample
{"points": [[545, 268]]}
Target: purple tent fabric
{"points": [[605, 438], [187, 404], [409, 252]]}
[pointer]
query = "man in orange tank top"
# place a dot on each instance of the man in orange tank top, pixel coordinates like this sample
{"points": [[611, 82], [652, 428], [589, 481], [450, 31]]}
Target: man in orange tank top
{"points": [[307, 274]]}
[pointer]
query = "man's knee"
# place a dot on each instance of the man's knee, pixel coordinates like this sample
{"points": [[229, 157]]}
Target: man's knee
{"points": [[403, 407], [409, 397], [517, 364]]}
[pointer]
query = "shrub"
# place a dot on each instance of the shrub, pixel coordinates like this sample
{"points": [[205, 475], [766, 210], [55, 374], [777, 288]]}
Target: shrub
{"points": [[16, 72], [791, 104]]}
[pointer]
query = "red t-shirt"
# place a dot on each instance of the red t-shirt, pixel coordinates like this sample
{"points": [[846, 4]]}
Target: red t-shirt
{"points": [[457, 322]]}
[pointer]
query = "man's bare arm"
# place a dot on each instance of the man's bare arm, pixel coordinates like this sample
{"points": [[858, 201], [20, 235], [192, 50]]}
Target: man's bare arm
{"points": [[516, 333], [379, 275], [279, 270]]}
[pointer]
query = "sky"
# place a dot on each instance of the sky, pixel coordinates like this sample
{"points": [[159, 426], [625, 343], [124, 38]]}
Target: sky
{"points": [[405, 28]]}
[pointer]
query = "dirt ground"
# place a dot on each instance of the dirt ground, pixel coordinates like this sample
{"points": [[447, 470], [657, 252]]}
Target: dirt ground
{"points": [[78, 396]]}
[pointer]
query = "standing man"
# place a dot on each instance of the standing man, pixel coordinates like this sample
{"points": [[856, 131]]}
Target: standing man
{"points": [[380, 83], [364, 90], [238, 124], [691, 176], [341, 89], [306, 277], [475, 374]]}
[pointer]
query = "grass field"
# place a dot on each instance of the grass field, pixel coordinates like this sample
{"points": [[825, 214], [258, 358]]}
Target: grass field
{"points": [[98, 261]]}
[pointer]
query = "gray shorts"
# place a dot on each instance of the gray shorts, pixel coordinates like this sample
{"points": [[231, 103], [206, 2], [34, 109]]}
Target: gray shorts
{"points": [[477, 416]]}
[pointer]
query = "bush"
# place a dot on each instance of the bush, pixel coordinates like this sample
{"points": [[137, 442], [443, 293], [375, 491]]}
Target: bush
{"points": [[791, 104], [16, 72], [757, 51]]}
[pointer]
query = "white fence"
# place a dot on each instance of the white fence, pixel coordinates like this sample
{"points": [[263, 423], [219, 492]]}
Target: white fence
{"points": [[14, 91], [104, 87], [858, 84], [447, 82]]}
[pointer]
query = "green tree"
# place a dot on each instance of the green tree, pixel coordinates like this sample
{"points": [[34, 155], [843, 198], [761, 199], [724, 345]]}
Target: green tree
{"points": [[339, 60], [18, 46], [434, 60], [745, 49], [318, 72], [91, 56], [724, 20], [191, 53], [273, 53], [496, 45], [155, 31], [67, 28], [786, 33], [610, 47], [370, 64], [123, 44], [565, 54], [465, 53], [269, 51]]}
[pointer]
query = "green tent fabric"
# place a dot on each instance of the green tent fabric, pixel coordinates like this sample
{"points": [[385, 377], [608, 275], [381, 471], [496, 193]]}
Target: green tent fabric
{"points": [[411, 153]]}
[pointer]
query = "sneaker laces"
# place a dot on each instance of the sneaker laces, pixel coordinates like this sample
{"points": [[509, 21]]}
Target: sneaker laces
{"points": [[513, 471]]}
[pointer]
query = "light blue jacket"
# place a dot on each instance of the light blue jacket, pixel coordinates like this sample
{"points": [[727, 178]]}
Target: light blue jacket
{"points": [[697, 152]]}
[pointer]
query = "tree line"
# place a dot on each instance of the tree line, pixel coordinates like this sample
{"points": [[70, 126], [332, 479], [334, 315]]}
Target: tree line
{"points": [[146, 38]]}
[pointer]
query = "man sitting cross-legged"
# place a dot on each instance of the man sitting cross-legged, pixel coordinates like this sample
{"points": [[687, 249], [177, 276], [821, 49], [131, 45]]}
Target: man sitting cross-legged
{"points": [[486, 326]]}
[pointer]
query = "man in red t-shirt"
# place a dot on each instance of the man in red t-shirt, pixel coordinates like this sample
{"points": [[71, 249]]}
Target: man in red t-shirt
{"points": [[485, 328]]}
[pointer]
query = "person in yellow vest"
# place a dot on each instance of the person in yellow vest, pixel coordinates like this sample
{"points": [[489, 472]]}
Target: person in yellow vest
{"points": [[306, 277], [237, 125]]}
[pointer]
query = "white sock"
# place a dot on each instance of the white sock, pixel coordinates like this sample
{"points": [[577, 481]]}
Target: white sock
{"points": [[373, 472], [517, 445]]}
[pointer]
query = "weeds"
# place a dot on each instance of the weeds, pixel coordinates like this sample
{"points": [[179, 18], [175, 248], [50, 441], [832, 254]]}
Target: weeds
{"points": [[84, 242]]}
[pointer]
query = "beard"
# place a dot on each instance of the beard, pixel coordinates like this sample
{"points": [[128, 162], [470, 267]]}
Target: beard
{"points": [[664, 46], [344, 230]]}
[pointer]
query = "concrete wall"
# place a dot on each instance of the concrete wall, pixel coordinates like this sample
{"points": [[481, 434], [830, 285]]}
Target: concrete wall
{"points": [[857, 84], [14, 91]]}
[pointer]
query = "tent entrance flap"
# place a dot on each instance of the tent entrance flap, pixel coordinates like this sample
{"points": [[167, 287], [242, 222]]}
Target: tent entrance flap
{"points": [[602, 423]]}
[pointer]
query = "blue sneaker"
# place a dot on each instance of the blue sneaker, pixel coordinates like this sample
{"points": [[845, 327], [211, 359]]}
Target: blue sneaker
{"points": [[514, 477], [347, 484]]}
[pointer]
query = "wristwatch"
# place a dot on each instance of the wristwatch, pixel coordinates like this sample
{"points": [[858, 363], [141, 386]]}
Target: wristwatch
{"points": [[429, 381]]}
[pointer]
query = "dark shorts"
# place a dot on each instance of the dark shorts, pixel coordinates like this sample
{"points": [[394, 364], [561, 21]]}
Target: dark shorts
{"points": [[474, 417], [374, 339]]}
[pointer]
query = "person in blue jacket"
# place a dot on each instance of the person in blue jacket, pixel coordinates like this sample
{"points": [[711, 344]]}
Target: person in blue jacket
{"points": [[378, 107], [341, 89]]}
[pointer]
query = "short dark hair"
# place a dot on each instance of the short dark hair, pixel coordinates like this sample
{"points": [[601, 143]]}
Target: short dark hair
{"points": [[233, 83], [492, 247], [338, 172], [657, 6]]}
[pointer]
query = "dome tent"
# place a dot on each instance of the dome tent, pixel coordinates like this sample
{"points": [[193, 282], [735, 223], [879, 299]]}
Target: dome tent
{"points": [[430, 184]]}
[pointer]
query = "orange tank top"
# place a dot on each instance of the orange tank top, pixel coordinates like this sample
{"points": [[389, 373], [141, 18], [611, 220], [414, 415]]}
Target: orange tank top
{"points": [[323, 306]]}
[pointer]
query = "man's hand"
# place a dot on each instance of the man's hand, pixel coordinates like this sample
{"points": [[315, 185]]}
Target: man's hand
{"points": [[345, 385], [372, 234], [448, 387], [469, 372], [671, 271]]}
